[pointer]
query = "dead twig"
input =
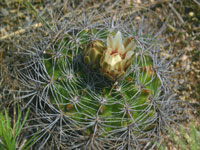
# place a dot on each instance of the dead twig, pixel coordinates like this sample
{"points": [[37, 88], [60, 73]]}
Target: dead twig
{"points": [[198, 3], [37, 25], [177, 14], [1, 54]]}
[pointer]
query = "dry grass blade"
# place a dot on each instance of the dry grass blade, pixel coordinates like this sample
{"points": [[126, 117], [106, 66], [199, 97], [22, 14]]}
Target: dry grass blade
{"points": [[21, 31]]}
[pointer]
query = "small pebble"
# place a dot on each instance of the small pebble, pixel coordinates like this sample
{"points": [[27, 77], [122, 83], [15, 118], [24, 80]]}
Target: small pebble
{"points": [[4, 12], [191, 14]]}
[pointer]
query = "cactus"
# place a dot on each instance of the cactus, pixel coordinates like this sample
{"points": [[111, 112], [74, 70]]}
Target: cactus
{"points": [[97, 87], [86, 94]]}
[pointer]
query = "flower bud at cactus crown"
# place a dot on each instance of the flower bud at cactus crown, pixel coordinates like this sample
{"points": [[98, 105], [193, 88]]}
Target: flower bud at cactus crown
{"points": [[114, 58]]}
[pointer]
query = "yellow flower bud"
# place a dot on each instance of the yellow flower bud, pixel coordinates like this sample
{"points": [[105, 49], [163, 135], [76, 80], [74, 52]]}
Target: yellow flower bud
{"points": [[117, 57], [93, 52]]}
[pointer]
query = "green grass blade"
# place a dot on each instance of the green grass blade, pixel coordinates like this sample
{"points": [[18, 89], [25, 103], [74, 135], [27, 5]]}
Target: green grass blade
{"points": [[31, 8]]}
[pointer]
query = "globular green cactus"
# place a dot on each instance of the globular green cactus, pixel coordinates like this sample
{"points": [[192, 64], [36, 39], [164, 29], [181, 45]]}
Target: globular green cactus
{"points": [[97, 87], [96, 101]]}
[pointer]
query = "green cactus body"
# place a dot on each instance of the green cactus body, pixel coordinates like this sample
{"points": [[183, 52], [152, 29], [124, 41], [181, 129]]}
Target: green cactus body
{"points": [[95, 78], [92, 100]]}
